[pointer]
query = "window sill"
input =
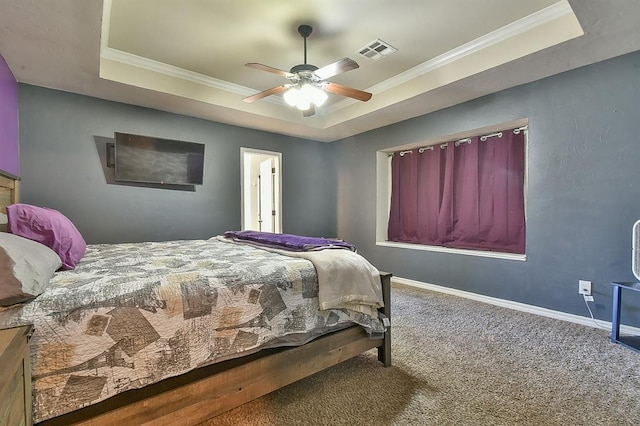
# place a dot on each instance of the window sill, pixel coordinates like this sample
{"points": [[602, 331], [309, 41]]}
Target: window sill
{"points": [[492, 254]]}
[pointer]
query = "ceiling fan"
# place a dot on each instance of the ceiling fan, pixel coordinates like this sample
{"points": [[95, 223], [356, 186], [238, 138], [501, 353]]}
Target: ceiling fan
{"points": [[308, 86]]}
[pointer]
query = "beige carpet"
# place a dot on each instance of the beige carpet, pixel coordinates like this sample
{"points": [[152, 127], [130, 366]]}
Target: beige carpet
{"points": [[461, 362]]}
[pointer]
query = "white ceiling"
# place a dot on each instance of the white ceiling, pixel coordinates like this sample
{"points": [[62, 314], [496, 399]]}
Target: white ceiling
{"points": [[188, 56]]}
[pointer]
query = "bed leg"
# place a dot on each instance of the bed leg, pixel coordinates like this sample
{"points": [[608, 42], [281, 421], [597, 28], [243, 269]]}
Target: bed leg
{"points": [[384, 351]]}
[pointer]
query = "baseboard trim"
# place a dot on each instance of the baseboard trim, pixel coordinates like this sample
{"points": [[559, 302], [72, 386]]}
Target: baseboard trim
{"points": [[523, 307]]}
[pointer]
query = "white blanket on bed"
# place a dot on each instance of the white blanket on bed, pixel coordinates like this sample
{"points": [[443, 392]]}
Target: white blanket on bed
{"points": [[346, 280]]}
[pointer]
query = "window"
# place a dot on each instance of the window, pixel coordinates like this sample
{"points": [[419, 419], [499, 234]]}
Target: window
{"points": [[462, 194]]}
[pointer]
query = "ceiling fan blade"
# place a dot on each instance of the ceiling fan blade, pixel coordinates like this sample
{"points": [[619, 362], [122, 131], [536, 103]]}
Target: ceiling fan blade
{"points": [[338, 67], [258, 96], [267, 68], [309, 112], [339, 89]]}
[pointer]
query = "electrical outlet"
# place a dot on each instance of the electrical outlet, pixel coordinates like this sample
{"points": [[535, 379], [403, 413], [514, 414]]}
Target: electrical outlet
{"points": [[584, 287]]}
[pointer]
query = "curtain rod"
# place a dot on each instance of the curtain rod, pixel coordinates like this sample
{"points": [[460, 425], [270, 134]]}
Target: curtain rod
{"points": [[491, 135], [459, 142]]}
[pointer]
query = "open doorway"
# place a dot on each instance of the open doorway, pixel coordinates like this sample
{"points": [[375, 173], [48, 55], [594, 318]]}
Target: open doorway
{"points": [[261, 190]]}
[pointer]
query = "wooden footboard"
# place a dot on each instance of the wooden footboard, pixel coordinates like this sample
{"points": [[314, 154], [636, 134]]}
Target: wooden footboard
{"points": [[384, 350], [196, 396]]}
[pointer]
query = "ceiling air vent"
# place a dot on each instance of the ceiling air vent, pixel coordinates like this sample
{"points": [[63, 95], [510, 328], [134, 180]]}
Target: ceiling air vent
{"points": [[377, 49]]}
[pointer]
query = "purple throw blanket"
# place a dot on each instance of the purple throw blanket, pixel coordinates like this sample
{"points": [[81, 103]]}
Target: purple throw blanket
{"points": [[288, 241]]}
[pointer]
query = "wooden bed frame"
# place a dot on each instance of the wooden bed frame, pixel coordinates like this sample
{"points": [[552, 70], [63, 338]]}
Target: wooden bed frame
{"points": [[203, 393], [9, 193]]}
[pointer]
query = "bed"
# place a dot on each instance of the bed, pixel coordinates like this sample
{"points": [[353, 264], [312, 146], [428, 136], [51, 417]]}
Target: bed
{"points": [[263, 333]]}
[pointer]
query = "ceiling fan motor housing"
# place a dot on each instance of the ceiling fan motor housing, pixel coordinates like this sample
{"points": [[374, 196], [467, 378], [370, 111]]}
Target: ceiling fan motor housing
{"points": [[303, 68]]}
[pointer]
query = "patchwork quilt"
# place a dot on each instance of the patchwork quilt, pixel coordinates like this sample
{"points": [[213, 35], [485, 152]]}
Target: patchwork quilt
{"points": [[133, 314]]}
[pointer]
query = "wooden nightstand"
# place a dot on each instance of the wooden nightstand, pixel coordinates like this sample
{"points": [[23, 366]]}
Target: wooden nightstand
{"points": [[15, 376]]}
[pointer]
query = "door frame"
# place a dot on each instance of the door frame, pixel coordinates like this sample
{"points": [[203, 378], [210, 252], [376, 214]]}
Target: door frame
{"points": [[245, 155]]}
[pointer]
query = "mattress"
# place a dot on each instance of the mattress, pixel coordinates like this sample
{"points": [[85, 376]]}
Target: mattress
{"points": [[133, 314]]}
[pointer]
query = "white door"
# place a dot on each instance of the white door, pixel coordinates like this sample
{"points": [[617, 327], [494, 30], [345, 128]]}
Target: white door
{"points": [[265, 197]]}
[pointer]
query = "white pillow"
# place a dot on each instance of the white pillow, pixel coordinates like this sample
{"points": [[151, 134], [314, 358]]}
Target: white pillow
{"points": [[25, 268]]}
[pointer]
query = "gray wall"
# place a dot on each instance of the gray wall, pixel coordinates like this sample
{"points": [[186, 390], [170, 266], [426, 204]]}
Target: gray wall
{"points": [[62, 156], [583, 194]]}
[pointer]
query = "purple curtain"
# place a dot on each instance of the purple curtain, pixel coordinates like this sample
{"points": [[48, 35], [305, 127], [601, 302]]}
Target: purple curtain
{"points": [[468, 196]]}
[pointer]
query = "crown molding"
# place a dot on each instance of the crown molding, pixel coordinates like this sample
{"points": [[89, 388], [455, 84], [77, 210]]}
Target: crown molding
{"points": [[137, 61], [528, 23]]}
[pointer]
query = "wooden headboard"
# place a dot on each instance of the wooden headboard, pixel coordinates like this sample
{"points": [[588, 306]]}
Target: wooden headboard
{"points": [[9, 193]]}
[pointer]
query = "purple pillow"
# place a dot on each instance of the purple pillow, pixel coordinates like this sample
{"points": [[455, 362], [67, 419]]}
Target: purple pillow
{"points": [[48, 227]]}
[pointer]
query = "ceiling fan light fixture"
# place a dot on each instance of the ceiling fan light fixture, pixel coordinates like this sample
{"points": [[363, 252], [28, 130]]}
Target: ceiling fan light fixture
{"points": [[303, 104], [314, 94], [304, 96], [291, 96]]}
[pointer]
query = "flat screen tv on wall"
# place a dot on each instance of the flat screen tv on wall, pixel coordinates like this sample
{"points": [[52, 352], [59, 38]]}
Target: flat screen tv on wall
{"points": [[148, 159]]}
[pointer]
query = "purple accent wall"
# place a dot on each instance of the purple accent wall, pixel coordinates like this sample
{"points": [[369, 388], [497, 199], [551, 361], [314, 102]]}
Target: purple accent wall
{"points": [[9, 143]]}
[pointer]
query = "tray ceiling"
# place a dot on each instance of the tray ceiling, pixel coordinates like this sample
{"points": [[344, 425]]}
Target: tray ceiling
{"points": [[188, 57]]}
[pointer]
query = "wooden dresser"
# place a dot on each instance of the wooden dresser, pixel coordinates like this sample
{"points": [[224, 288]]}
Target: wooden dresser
{"points": [[15, 376]]}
